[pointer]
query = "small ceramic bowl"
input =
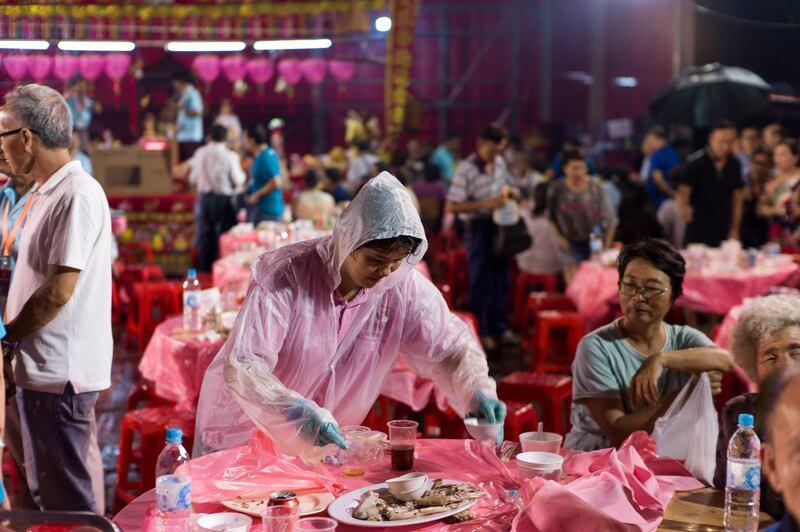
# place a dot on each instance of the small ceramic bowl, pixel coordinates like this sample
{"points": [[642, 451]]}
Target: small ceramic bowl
{"points": [[482, 431], [407, 483], [412, 495], [227, 521]]}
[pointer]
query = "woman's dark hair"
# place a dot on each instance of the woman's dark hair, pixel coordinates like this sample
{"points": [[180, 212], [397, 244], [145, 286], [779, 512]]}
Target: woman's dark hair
{"points": [[312, 178], [791, 144], [432, 173], [219, 133], [493, 133], [258, 133], [334, 175], [540, 199], [402, 244], [569, 156], [660, 254]]}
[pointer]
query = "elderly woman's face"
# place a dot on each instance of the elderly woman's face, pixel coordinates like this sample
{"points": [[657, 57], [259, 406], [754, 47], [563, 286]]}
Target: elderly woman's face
{"points": [[644, 293], [780, 350]]}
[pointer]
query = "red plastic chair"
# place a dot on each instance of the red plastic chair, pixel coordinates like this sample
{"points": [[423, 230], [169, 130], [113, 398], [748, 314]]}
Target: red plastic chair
{"points": [[143, 395], [553, 393], [522, 286], [136, 252], [383, 411], [537, 302], [444, 424], [452, 268], [152, 303], [148, 426], [520, 417], [555, 341], [444, 241], [116, 310]]}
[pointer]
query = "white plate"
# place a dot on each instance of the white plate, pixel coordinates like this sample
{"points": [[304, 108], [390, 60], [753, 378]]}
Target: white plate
{"points": [[310, 504], [342, 509]]}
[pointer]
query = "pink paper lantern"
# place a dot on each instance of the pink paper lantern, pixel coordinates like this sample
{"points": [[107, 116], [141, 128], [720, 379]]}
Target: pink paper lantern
{"points": [[289, 70], [16, 66], [260, 70], [342, 70], [206, 67], [314, 70], [65, 66], [91, 66], [234, 67], [116, 66], [39, 66]]}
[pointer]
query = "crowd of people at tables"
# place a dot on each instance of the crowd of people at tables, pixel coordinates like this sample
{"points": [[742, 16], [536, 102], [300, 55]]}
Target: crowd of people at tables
{"points": [[626, 374]]}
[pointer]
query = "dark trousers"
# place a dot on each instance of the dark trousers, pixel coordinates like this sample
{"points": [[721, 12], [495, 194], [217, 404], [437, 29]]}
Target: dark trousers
{"points": [[215, 215], [488, 280], [60, 443]]}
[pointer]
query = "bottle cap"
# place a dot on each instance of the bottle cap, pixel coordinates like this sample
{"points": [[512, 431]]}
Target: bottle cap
{"points": [[746, 420], [191, 272], [174, 435]]}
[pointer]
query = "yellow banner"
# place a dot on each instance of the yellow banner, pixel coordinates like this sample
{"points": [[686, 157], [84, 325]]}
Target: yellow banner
{"points": [[399, 56]]}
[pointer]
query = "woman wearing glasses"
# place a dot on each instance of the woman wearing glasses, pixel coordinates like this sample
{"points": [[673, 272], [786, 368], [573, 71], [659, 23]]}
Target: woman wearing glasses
{"points": [[627, 373]]}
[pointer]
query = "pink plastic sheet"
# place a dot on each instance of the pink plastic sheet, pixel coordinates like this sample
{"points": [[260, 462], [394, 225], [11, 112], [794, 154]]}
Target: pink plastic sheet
{"points": [[594, 290], [176, 364], [621, 490], [625, 490]]}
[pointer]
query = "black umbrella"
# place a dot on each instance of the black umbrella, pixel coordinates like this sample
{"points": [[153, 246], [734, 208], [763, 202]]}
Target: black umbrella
{"points": [[703, 95]]}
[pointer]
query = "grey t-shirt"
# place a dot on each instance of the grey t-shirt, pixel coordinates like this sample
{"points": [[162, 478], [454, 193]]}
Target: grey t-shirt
{"points": [[604, 366]]}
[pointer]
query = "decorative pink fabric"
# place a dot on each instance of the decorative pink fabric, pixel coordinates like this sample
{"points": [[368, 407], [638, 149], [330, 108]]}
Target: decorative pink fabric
{"points": [[314, 70], [39, 66], [207, 67], [176, 366], [260, 70], [65, 66], [594, 290], [91, 66], [342, 70], [289, 70], [234, 67], [117, 66], [16, 66]]}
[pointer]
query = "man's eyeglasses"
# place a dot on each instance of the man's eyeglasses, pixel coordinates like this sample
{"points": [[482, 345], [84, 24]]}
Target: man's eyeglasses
{"points": [[648, 292], [15, 131]]}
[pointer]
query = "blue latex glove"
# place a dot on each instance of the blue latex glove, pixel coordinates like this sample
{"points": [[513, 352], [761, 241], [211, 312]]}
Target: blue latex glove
{"points": [[492, 411], [324, 433]]}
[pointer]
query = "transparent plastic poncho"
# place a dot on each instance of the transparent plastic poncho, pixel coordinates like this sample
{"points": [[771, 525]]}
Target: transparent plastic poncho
{"points": [[283, 349]]}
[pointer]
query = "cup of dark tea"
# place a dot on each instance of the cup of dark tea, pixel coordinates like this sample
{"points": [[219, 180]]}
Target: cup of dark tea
{"points": [[402, 441]]}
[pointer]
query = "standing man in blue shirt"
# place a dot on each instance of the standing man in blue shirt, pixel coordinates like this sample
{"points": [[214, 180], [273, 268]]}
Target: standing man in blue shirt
{"points": [[444, 156], [189, 122], [265, 196], [82, 108], [662, 159]]}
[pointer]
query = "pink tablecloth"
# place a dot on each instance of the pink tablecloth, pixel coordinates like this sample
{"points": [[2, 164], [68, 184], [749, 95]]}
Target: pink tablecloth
{"points": [[176, 362], [594, 290], [631, 485]]}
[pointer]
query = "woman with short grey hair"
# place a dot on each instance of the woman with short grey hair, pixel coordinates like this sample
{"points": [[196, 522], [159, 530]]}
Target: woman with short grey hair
{"points": [[766, 338]]}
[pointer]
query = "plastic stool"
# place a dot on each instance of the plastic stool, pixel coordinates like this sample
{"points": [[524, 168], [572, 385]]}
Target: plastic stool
{"points": [[520, 417], [551, 353], [144, 393], [538, 301], [522, 286], [150, 424], [452, 269], [553, 393], [152, 303]]}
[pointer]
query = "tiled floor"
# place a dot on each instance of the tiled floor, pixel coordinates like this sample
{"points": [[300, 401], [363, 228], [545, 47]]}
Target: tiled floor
{"points": [[112, 403]]}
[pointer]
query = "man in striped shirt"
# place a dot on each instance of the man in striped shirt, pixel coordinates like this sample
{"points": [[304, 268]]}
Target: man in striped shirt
{"points": [[476, 189]]}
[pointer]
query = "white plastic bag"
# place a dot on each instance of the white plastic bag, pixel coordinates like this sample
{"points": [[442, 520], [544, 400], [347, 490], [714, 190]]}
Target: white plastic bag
{"points": [[688, 430]]}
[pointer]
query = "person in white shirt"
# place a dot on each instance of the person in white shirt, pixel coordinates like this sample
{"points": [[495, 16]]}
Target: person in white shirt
{"points": [[228, 118], [217, 173], [59, 303]]}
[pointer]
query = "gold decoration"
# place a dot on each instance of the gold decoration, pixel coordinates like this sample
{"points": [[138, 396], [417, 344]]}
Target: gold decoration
{"points": [[398, 64]]}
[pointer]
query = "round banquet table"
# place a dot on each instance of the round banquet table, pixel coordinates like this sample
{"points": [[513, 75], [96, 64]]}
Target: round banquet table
{"points": [[594, 289]]}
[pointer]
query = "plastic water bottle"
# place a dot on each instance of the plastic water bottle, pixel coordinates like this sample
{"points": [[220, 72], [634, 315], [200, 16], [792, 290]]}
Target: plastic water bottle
{"points": [[595, 244], [743, 486], [173, 455], [192, 320], [173, 503]]}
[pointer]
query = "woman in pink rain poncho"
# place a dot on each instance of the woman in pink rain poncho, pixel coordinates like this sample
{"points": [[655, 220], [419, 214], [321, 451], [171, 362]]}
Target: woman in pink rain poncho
{"points": [[322, 326]]}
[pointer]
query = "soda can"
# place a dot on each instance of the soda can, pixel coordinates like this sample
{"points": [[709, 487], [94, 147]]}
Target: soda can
{"points": [[283, 498], [173, 493]]}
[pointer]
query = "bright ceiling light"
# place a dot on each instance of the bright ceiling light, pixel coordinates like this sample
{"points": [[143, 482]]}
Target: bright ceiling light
{"points": [[625, 81], [6, 44], [205, 46], [293, 44], [383, 23], [96, 46]]}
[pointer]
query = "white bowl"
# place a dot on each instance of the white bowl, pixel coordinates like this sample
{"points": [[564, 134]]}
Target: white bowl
{"points": [[550, 442], [407, 483], [538, 464], [482, 431], [227, 521], [412, 495]]}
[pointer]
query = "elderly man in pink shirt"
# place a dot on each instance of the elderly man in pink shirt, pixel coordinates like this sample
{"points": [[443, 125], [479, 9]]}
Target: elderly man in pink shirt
{"points": [[59, 303], [322, 326]]}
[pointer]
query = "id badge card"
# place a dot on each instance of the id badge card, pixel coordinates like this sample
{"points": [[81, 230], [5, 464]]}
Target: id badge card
{"points": [[5, 276]]}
